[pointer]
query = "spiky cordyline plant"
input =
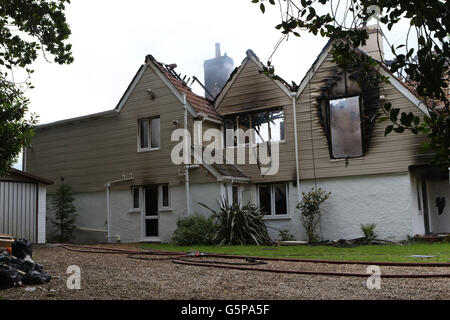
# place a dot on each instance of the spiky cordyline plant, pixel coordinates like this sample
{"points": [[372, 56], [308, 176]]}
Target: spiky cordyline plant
{"points": [[239, 225]]}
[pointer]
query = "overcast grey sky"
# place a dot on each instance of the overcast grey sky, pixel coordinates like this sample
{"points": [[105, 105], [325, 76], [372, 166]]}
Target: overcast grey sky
{"points": [[110, 39]]}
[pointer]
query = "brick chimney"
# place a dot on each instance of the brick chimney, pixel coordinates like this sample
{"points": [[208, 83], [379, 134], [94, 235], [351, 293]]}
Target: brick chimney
{"points": [[374, 45], [217, 71]]}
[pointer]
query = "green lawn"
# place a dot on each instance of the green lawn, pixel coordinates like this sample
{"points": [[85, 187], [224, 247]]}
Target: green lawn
{"points": [[388, 253]]}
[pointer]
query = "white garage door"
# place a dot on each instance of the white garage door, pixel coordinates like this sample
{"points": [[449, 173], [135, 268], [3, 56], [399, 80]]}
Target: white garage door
{"points": [[18, 216]]}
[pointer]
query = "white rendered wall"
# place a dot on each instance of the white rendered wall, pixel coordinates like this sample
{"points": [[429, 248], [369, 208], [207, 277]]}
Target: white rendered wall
{"points": [[128, 227], [91, 217], [382, 199]]}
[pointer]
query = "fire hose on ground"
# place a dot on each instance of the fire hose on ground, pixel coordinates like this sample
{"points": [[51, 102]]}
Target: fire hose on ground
{"points": [[183, 258]]}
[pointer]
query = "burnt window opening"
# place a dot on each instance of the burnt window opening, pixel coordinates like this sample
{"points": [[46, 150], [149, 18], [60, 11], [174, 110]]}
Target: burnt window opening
{"points": [[345, 127], [347, 111], [267, 125]]}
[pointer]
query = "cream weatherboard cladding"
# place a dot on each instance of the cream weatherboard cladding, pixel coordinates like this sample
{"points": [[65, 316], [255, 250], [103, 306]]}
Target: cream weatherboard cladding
{"points": [[252, 90], [91, 152], [394, 153]]}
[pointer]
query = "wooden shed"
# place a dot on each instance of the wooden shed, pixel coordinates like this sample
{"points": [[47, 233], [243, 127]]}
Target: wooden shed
{"points": [[23, 205]]}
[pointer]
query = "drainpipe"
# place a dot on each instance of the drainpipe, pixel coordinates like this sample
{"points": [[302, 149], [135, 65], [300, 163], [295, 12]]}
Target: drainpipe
{"points": [[108, 210], [186, 164], [294, 97]]}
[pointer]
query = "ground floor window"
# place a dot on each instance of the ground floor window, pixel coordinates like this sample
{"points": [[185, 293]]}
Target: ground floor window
{"points": [[165, 196], [135, 198], [138, 197], [232, 194], [273, 198]]}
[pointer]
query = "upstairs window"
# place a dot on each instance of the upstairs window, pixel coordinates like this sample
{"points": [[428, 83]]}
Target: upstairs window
{"points": [[267, 125], [149, 134], [345, 125]]}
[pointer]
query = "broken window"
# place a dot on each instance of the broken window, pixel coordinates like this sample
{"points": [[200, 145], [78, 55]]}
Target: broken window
{"points": [[268, 125], [230, 132], [260, 123], [244, 123], [345, 124], [276, 125], [149, 133], [273, 198]]}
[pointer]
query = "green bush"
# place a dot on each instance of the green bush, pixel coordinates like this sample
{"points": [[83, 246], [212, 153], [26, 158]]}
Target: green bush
{"points": [[310, 211], [239, 225], [194, 230]]}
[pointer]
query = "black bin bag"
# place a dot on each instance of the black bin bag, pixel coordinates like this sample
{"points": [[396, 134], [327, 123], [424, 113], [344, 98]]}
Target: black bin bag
{"points": [[9, 277], [19, 268], [21, 248]]}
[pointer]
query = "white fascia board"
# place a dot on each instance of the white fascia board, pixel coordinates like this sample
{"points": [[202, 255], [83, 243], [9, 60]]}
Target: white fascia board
{"points": [[405, 91], [277, 82], [131, 88], [103, 114], [312, 71], [230, 83]]}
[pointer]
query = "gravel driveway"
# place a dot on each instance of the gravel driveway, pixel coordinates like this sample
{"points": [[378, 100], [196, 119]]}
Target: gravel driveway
{"points": [[114, 276]]}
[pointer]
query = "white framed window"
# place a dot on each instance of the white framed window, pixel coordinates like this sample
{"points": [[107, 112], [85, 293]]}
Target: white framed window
{"points": [[135, 199], [346, 128], [273, 199], [164, 200], [149, 134]]}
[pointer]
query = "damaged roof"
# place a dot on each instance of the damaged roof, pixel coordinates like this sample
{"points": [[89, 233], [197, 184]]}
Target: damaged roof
{"points": [[199, 103]]}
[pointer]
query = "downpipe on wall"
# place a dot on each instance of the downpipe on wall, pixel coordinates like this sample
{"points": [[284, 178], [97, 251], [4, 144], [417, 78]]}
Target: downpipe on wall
{"points": [[186, 160], [294, 111]]}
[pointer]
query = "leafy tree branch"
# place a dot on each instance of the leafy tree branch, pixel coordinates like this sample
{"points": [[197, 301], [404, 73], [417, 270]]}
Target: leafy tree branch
{"points": [[27, 27]]}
